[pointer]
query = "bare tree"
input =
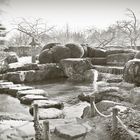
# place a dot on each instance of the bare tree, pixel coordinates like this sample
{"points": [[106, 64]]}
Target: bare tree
{"points": [[131, 28], [34, 29], [101, 38], [18, 39]]}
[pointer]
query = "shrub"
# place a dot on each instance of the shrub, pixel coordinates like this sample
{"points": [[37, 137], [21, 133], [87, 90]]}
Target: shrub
{"points": [[50, 45], [46, 57], [76, 50], [60, 52]]}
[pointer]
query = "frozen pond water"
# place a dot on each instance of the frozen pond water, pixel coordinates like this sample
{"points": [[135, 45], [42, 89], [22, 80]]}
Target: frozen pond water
{"points": [[59, 90], [63, 90]]}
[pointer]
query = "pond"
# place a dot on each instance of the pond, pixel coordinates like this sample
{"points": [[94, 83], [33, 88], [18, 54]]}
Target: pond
{"points": [[58, 89], [62, 89]]}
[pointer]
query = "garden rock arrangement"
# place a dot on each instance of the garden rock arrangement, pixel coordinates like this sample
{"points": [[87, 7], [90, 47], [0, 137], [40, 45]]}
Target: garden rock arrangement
{"points": [[79, 70], [40, 72], [11, 58], [53, 53], [28, 95], [77, 63], [131, 71]]}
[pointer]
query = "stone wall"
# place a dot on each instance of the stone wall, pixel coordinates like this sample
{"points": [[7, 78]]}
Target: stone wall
{"points": [[23, 50]]}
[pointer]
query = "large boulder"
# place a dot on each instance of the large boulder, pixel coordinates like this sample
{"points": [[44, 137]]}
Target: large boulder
{"points": [[50, 46], [46, 56], [119, 59], [131, 71], [92, 52], [60, 52], [76, 50], [11, 58], [30, 76], [76, 69], [104, 93], [51, 71]]}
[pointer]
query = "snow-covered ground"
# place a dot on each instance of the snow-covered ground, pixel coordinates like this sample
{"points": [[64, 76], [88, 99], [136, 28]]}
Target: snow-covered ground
{"points": [[24, 60], [21, 62]]}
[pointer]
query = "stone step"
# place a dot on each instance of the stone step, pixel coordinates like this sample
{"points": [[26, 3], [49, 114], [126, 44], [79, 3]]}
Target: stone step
{"points": [[70, 131], [22, 67], [28, 99], [46, 104], [50, 113], [109, 69], [4, 89], [13, 90], [30, 91]]}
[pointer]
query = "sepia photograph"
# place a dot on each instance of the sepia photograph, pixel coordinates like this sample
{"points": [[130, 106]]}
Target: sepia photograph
{"points": [[69, 70]]}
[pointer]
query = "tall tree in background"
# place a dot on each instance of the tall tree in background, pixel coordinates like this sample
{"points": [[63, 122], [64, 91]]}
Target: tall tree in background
{"points": [[67, 35], [130, 28]]}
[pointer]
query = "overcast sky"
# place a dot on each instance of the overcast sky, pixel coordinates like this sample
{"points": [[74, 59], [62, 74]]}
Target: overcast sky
{"points": [[78, 13]]}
